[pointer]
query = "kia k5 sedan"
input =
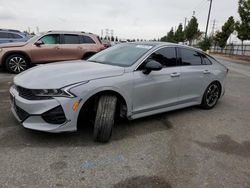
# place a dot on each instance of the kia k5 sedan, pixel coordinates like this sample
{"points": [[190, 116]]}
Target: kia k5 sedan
{"points": [[131, 80]]}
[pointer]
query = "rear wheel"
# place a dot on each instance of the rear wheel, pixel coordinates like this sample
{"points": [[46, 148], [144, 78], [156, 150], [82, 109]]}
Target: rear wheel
{"points": [[16, 63], [105, 117], [211, 96]]}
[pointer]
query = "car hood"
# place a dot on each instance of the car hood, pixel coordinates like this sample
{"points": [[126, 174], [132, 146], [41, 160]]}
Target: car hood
{"points": [[12, 44], [58, 75]]}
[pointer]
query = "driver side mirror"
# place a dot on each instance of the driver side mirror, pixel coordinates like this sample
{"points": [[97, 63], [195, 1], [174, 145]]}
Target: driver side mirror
{"points": [[39, 43], [152, 65]]}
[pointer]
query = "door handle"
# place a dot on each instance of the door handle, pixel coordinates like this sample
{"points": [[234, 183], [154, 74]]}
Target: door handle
{"points": [[206, 72], [175, 74], [79, 47], [57, 47]]}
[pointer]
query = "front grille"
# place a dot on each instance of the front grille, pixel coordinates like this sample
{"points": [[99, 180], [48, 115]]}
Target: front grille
{"points": [[21, 113], [54, 116], [28, 94]]}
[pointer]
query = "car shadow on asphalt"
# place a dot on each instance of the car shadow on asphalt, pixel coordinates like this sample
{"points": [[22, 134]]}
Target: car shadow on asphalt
{"points": [[19, 137]]}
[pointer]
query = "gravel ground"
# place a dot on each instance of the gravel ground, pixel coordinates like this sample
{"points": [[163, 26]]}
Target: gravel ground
{"points": [[184, 148]]}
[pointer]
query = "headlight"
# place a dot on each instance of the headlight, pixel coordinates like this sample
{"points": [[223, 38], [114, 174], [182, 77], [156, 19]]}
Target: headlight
{"points": [[1, 49], [63, 92], [52, 93]]}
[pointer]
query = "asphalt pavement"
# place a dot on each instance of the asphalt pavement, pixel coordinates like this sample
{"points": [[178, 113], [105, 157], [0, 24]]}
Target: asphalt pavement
{"points": [[181, 149]]}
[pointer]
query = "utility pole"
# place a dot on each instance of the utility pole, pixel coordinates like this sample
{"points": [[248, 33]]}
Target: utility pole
{"points": [[208, 17], [185, 23], [213, 27]]}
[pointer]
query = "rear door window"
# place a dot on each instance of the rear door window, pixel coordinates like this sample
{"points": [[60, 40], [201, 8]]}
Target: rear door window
{"points": [[87, 40], [16, 36], [71, 39], [190, 57]]}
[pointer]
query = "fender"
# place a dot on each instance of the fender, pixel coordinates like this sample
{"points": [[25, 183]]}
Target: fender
{"points": [[102, 89]]}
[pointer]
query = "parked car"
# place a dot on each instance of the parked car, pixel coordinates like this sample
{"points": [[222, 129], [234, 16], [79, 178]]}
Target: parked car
{"points": [[10, 35], [106, 43], [131, 80], [49, 47]]}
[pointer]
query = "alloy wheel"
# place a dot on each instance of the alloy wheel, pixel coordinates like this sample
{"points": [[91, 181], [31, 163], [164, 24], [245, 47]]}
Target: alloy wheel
{"points": [[17, 64], [212, 95]]}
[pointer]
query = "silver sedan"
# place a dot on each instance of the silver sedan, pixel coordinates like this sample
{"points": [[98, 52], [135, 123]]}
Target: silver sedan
{"points": [[131, 80]]}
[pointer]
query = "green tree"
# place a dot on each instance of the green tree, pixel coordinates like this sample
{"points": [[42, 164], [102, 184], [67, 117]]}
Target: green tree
{"points": [[227, 29], [163, 39], [170, 36], [243, 27], [179, 34], [192, 31], [205, 44]]}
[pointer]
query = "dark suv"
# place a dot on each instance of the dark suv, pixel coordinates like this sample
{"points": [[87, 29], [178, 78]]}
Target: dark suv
{"points": [[10, 35]]}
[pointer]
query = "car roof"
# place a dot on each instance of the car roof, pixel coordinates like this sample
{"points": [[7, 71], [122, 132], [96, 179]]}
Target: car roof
{"points": [[70, 32], [160, 44], [10, 30]]}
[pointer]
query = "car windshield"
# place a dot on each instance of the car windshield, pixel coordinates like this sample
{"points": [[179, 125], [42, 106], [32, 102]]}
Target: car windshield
{"points": [[34, 38], [123, 55]]}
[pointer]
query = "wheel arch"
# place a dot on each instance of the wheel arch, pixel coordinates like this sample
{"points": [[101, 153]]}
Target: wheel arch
{"points": [[219, 84], [93, 98], [15, 52]]}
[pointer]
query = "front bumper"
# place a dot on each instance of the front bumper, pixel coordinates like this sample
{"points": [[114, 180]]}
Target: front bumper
{"points": [[52, 115]]}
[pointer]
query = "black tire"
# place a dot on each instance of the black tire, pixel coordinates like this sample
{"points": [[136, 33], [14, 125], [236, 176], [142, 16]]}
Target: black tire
{"points": [[88, 55], [16, 63], [105, 117], [211, 96]]}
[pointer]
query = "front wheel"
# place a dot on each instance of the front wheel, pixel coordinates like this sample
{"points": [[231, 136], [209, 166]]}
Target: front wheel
{"points": [[16, 63], [105, 117], [211, 96]]}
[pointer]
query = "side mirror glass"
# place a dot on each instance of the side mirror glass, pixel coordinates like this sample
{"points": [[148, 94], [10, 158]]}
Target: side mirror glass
{"points": [[39, 43], [152, 65]]}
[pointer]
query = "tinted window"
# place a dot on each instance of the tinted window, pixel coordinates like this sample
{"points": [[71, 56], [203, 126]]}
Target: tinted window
{"points": [[205, 60], [212, 60], [190, 57], [71, 39], [16, 36], [4, 35], [165, 56], [88, 40], [51, 39]]}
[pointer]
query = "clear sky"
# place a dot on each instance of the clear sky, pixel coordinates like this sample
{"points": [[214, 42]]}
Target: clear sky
{"points": [[146, 19]]}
